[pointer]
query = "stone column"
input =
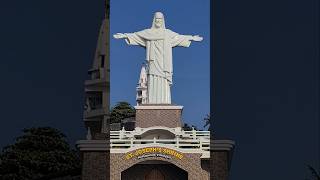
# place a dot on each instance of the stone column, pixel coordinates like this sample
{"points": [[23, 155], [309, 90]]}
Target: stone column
{"points": [[220, 158], [95, 156]]}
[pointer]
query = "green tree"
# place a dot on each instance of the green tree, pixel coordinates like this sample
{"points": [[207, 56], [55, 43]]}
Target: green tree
{"points": [[121, 111], [187, 127], [38, 153]]}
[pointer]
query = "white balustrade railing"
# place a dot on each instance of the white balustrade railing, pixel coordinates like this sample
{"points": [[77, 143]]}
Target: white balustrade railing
{"points": [[185, 140]]}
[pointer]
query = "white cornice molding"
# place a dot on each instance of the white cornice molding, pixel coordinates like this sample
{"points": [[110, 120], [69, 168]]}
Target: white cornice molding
{"points": [[158, 107], [222, 145], [93, 145]]}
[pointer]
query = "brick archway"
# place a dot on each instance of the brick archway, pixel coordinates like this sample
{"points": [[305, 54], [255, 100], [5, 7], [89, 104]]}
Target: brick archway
{"points": [[190, 163], [134, 161], [154, 170]]}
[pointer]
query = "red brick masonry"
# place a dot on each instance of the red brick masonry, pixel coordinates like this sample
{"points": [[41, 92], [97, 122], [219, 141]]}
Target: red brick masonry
{"points": [[191, 163], [158, 115], [96, 159]]}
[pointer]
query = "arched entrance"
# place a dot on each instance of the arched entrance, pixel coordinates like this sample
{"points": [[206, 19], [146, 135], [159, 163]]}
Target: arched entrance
{"points": [[154, 170], [154, 174], [158, 134]]}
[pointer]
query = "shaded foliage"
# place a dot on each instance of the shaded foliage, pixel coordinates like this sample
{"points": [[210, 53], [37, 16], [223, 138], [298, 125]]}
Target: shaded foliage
{"points": [[39, 152], [208, 121], [187, 127], [314, 173], [121, 111]]}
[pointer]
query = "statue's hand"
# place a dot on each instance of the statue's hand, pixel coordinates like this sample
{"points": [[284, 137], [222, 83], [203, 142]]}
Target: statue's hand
{"points": [[119, 35], [197, 38]]}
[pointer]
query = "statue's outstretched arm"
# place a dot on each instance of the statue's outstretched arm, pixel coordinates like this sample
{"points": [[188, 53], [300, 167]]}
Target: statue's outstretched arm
{"points": [[119, 36], [131, 38], [197, 38], [184, 40]]}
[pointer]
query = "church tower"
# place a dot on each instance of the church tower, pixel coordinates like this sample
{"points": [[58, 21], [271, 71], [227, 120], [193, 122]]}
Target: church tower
{"points": [[141, 96], [94, 150], [97, 87]]}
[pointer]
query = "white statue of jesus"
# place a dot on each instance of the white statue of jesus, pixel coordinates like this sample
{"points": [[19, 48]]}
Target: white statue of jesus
{"points": [[158, 42]]}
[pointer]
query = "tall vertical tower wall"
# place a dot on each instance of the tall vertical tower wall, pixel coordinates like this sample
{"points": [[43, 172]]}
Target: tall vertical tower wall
{"points": [[97, 87]]}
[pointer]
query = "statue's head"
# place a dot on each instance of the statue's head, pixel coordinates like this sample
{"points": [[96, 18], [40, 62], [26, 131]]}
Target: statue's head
{"points": [[158, 21]]}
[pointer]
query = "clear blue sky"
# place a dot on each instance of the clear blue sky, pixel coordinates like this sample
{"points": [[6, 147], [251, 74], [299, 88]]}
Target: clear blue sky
{"points": [[191, 86]]}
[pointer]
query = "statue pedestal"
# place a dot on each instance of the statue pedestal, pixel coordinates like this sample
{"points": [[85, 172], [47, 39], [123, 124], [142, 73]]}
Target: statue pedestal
{"points": [[158, 115]]}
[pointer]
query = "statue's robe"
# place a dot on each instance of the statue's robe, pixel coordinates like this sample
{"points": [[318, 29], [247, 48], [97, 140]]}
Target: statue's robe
{"points": [[158, 44]]}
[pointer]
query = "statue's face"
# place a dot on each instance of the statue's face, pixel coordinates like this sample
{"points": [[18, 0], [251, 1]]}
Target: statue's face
{"points": [[158, 22]]}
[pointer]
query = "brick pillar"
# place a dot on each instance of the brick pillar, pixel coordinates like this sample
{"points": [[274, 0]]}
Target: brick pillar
{"points": [[95, 157], [95, 165], [220, 158], [158, 115], [219, 165]]}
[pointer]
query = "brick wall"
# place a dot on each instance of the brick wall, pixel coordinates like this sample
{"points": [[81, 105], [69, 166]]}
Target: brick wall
{"points": [[158, 117], [95, 165], [219, 165], [190, 163]]}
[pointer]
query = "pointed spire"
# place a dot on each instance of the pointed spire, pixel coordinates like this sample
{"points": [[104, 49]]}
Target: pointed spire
{"points": [[107, 8], [143, 76], [141, 97]]}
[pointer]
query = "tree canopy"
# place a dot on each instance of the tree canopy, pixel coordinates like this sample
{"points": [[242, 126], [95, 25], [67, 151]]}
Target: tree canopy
{"points": [[121, 111], [38, 153], [187, 127]]}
